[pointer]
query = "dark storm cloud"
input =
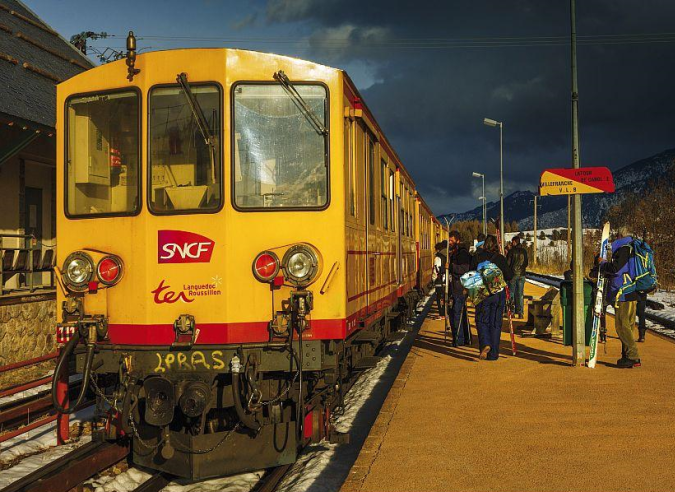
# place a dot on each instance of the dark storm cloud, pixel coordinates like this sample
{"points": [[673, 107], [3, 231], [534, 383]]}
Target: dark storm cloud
{"points": [[431, 101]]}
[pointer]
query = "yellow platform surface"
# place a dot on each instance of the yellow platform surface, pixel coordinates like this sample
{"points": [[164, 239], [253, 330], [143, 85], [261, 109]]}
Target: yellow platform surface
{"points": [[531, 422]]}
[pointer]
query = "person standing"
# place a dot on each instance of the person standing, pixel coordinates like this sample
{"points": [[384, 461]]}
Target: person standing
{"points": [[438, 276], [490, 311], [460, 263], [518, 261], [625, 304]]}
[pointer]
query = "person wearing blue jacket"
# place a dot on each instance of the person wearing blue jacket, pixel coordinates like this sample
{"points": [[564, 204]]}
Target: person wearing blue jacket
{"points": [[625, 304]]}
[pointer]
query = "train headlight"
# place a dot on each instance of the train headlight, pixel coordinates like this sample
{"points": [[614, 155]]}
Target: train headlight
{"points": [[301, 265], [78, 270]]}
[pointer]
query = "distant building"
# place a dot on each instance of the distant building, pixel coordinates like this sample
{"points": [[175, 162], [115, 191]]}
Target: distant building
{"points": [[33, 59]]}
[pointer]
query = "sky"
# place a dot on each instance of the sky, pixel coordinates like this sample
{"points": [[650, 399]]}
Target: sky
{"points": [[432, 70]]}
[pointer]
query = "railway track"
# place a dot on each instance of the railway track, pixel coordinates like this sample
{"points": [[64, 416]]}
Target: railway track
{"points": [[667, 324], [72, 469], [32, 411]]}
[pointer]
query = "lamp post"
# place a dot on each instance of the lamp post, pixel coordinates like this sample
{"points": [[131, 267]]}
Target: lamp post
{"points": [[489, 122], [482, 176]]}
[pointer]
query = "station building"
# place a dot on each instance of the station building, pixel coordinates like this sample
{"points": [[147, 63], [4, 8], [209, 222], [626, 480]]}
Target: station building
{"points": [[33, 59]]}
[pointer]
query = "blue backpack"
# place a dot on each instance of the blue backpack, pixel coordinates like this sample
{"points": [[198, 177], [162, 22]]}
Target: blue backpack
{"points": [[641, 275]]}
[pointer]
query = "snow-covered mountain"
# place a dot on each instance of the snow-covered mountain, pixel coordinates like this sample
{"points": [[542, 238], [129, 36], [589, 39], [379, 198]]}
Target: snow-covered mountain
{"points": [[518, 206]]}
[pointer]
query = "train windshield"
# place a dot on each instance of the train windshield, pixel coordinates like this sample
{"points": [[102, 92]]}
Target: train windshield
{"points": [[183, 175], [279, 157], [102, 154]]}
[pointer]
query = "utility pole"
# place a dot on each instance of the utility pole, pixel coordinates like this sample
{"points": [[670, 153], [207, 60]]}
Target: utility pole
{"points": [[569, 228], [501, 181], [493, 123], [482, 176], [578, 320]]}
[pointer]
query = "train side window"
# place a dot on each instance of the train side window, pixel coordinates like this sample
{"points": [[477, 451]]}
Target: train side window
{"points": [[392, 208], [383, 191], [103, 154], [279, 158], [349, 160], [183, 177], [370, 156]]}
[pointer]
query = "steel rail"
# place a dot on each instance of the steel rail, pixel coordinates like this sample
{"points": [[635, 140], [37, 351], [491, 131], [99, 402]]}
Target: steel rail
{"points": [[271, 479], [155, 483], [72, 469]]}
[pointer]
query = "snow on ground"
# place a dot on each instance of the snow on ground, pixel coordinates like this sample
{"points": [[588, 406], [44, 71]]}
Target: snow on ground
{"points": [[32, 450], [321, 467], [133, 477]]}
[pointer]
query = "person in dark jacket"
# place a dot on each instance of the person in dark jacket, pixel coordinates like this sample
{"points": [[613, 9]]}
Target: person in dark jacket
{"points": [[460, 263], [517, 260], [438, 276], [489, 313], [625, 304]]}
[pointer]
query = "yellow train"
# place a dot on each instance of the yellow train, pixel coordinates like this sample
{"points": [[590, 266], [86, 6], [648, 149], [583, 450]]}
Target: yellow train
{"points": [[236, 236]]}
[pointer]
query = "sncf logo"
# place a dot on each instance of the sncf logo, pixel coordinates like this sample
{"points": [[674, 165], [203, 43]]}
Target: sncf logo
{"points": [[183, 247]]}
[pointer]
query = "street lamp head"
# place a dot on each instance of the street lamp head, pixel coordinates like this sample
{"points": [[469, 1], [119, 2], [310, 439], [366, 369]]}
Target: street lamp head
{"points": [[478, 175], [489, 122]]}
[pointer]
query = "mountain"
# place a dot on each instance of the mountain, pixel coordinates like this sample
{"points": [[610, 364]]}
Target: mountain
{"points": [[518, 206]]}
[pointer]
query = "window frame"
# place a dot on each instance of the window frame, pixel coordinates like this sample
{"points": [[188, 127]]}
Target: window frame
{"points": [[383, 191], [392, 201], [148, 188], [369, 148], [327, 148], [139, 181]]}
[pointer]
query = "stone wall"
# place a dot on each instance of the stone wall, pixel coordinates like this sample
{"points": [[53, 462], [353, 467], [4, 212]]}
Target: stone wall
{"points": [[27, 330]]}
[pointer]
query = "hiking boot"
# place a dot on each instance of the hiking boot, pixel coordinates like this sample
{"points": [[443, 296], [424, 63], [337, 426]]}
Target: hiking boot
{"points": [[484, 353], [626, 363]]}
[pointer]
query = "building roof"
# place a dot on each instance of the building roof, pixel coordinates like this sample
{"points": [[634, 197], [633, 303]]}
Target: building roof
{"points": [[33, 59]]}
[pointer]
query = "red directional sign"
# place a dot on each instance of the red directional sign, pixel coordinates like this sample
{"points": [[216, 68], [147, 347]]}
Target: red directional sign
{"points": [[568, 181]]}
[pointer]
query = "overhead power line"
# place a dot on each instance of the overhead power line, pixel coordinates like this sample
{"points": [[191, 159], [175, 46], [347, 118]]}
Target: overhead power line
{"points": [[426, 43]]}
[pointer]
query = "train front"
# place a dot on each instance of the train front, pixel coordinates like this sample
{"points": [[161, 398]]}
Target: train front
{"points": [[199, 246]]}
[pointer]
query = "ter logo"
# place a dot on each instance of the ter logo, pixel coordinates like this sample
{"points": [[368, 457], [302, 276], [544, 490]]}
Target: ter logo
{"points": [[183, 247]]}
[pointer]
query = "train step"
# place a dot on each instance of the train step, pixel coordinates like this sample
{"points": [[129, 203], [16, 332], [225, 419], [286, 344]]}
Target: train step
{"points": [[367, 363], [367, 337]]}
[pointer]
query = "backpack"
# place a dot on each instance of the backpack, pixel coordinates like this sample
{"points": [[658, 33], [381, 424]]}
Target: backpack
{"points": [[440, 275], [645, 270], [641, 274], [486, 280]]}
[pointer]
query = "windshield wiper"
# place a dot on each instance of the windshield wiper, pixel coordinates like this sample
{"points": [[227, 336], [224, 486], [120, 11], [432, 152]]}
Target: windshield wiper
{"points": [[302, 105], [203, 126]]}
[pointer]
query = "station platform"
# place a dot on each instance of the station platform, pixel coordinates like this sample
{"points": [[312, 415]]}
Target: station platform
{"points": [[452, 422]]}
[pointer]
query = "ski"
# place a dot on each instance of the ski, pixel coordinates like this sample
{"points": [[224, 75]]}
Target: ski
{"points": [[447, 284], [508, 293], [598, 307]]}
